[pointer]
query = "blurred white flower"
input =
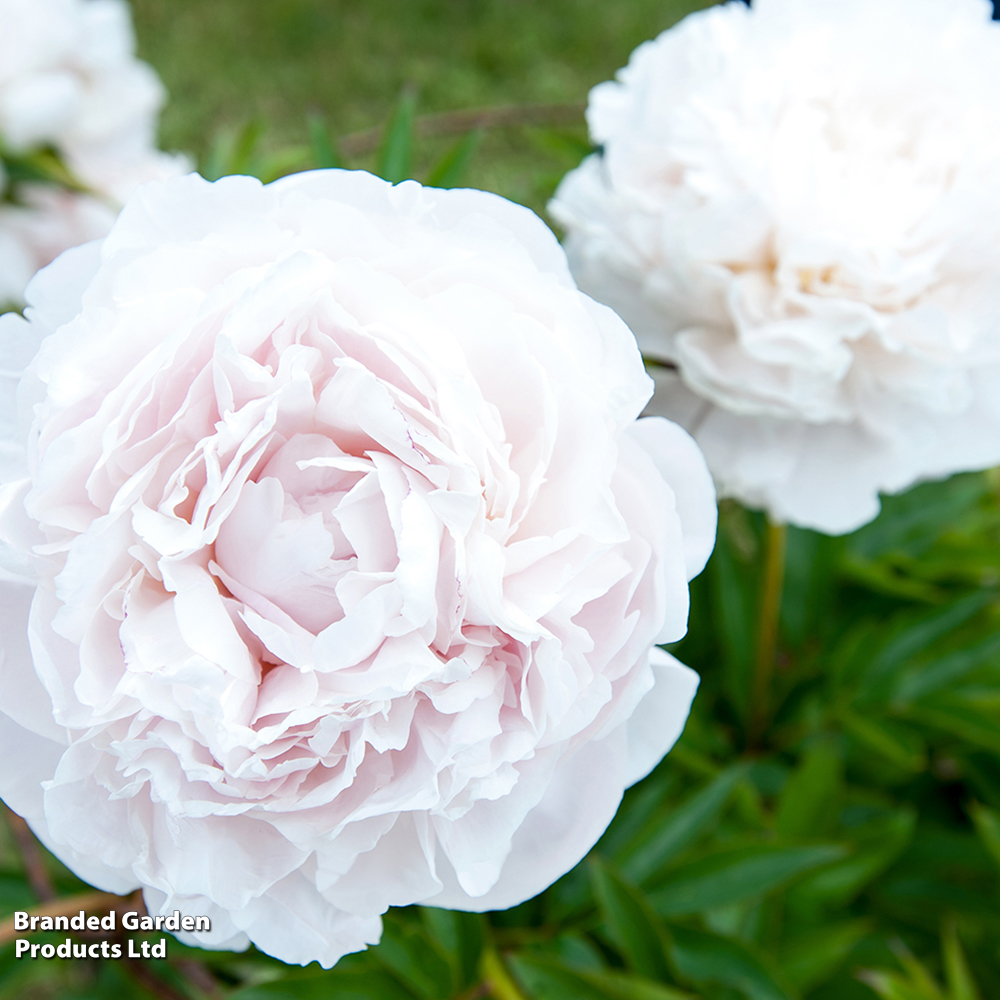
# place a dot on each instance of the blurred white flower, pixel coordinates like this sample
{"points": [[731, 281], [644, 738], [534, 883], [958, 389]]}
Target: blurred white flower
{"points": [[69, 80], [798, 207], [345, 554]]}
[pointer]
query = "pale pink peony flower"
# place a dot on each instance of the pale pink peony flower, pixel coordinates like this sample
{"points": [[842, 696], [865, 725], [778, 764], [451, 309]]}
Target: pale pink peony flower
{"points": [[341, 557], [798, 206], [69, 80]]}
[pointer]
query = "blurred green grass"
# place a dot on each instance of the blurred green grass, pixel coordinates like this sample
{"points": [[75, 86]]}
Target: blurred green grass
{"points": [[227, 62]]}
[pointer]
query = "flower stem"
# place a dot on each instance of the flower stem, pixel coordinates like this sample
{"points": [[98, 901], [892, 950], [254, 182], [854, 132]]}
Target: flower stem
{"points": [[775, 538]]}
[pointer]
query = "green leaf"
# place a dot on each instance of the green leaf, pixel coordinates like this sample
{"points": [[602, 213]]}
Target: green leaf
{"points": [[43, 165], [708, 958], [407, 951], [617, 986], [917, 899], [394, 156], [878, 846], [681, 827], [808, 804], [449, 171], [234, 153], [546, 979], [220, 153], [460, 936], [245, 148], [372, 984], [893, 986], [920, 978], [951, 713], [961, 985], [497, 976], [911, 636], [632, 925], [913, 521], [888, 739], [735, 874], [577, 951], [945, 671], [981, 773], [280, 164], [884, 578], [811, 958], [809, 583], [641, 812], [987, 824], [321, 143], [734, 615]]}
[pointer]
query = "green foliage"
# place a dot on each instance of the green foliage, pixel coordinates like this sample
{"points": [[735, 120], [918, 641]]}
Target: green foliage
{"points": [[395, 153], [42, 165], [246, 151], [915, 982], [24, 170]]}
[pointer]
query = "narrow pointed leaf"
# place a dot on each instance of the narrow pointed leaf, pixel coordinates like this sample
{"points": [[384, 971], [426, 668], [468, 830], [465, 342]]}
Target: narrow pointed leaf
{"points": [[961, 985], [219, 157], [811, 958], [459, 936], [414, 959], [946, 671], [987, 824], [915, 969], [905, 751], [809, 800], [245, 148], [682, 827], [736, 618], [281, 163], [708, 958], [893, 986], [841, 881], [321, 144], [913, 636], [634, 928], [618, 986], [496, 975], [394, 156], [545, 979], [450, 170], [737, 874], [958, 716]]}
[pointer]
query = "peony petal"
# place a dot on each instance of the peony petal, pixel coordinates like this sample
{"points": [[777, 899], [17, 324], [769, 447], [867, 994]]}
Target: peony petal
{"points": [[345, 558]]}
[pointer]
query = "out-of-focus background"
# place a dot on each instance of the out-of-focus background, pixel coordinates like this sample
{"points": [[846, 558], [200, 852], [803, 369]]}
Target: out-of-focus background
{"points": [[229, 63], [848, 850]]}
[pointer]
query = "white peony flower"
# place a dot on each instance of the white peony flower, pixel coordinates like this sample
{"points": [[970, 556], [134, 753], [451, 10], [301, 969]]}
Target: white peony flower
{"points": [[798, 207], [69, 80], [340, 554]]}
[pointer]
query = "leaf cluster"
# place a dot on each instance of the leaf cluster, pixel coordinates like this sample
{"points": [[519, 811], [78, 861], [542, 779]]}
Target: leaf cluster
{"points": [[39, 166]]}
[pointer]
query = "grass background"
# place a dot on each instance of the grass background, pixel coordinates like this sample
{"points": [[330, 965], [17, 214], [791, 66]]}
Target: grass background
{"points": [[848, 851], [228, 62]]}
